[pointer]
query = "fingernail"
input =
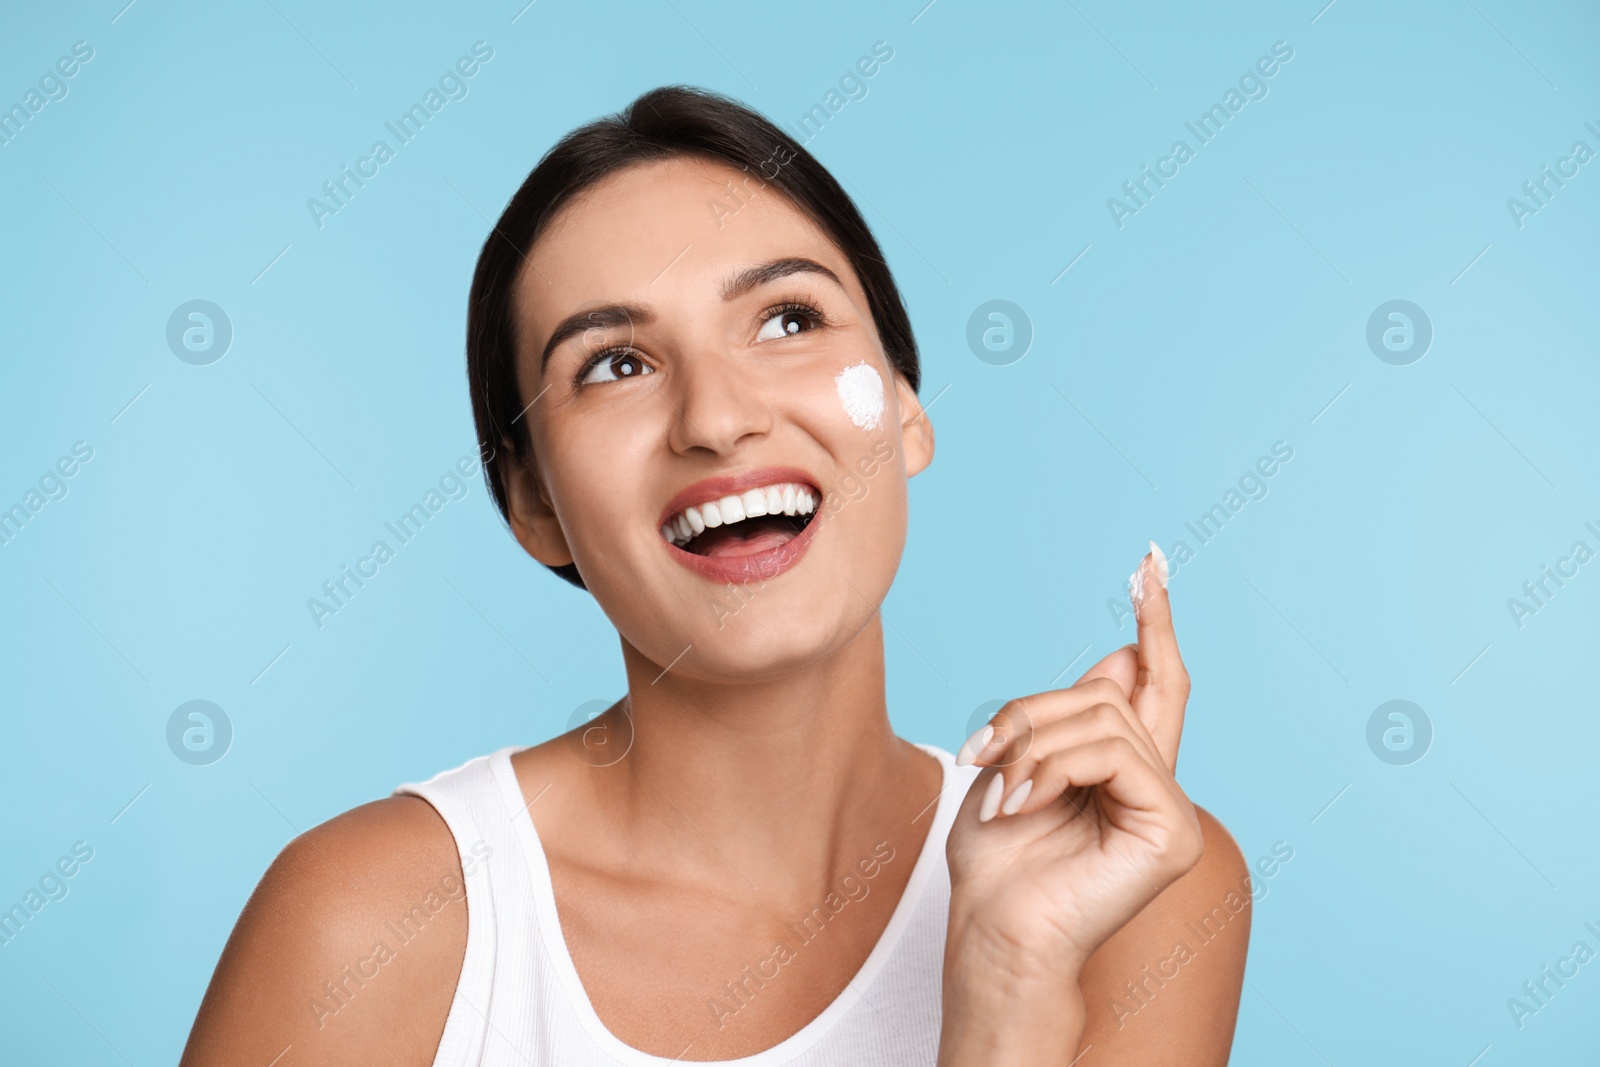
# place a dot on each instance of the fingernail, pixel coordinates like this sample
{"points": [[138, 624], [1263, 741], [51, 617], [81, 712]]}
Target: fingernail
{"points": [[1160, 559], [991, 798], [1017, 797], [974, 745], [1136, 586]]}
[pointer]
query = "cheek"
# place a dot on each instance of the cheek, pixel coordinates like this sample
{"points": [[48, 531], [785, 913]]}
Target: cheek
{"points": [[859, 389]]}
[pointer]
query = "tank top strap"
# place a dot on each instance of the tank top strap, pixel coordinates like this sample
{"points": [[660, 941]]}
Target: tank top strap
{"points": [[473, 805]]}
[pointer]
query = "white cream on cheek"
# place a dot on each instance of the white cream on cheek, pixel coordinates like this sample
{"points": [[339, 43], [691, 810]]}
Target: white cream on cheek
{"points": [[860, 390]]}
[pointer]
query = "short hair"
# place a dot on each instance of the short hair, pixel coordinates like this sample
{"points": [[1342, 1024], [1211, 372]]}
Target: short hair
{"points": [[671, 121]]}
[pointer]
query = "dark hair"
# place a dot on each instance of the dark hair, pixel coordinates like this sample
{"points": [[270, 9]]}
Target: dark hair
{"points": [[674, 120]]}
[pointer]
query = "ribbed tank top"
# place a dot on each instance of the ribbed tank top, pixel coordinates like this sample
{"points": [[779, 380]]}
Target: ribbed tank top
{"points": [[519, 1000]]}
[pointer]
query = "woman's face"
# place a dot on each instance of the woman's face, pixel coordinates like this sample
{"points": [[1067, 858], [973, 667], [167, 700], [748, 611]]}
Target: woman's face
{"points": [[711, 342]]}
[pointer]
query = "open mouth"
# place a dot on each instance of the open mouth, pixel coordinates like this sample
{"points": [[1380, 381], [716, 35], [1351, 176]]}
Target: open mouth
{"points": [[750, 523]]}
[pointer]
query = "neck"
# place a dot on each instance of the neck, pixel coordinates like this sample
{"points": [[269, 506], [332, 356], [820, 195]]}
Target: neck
{"points": [[783, 780]]}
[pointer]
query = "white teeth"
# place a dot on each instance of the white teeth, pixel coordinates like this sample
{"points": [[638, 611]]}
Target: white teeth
{"points": [[784, 498]]}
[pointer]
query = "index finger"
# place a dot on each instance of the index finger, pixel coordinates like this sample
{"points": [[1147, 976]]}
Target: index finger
{"points": [[1161, 687]]}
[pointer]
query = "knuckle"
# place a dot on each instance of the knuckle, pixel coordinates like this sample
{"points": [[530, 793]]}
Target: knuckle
{"points": [[1102, 688], [1121, 747], [1108, 718], [1012, 720]]}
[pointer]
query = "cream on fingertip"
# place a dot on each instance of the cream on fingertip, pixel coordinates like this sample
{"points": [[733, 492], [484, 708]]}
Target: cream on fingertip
{"points": [[1137, 590]]}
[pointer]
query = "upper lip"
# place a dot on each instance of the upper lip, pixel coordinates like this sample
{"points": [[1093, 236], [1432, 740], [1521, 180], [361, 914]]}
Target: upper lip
{"points": [[730, 484]]}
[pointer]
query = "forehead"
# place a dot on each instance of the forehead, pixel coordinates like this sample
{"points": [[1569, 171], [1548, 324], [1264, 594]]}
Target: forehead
{"points": [[651, 232]]}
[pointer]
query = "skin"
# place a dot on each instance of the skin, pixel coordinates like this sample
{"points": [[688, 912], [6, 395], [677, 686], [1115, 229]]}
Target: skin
{"points": [[760, 768]]}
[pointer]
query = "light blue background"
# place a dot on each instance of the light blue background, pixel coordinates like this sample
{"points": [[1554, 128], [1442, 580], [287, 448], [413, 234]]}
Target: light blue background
{"points": [[1228, 314]]}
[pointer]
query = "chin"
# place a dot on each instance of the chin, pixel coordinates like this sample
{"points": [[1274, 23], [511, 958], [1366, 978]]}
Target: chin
{"points": [[749, 635]]}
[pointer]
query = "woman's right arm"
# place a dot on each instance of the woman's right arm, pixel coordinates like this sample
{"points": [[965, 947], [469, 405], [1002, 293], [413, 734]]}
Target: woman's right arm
{"points": [[344, 952]]}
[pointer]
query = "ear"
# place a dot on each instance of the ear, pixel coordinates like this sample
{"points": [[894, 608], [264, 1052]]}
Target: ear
{"points": [[533, 518], [916, 431]]}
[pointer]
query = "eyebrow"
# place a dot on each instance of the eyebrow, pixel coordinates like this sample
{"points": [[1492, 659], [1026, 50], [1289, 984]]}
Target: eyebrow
{"points": [[613, 315]]}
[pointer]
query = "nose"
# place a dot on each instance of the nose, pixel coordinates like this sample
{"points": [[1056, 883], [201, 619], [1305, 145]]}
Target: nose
{"points": [[717, 407]]}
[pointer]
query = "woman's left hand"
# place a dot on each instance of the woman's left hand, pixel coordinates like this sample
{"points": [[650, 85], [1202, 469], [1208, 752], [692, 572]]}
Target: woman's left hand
{"points": [[1078, 823]]}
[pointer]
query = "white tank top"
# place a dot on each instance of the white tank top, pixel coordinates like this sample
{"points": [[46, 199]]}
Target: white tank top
{"points": [[519, 1000]]}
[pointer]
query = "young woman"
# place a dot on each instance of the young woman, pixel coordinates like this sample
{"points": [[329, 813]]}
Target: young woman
{"points": [[696, 386]]}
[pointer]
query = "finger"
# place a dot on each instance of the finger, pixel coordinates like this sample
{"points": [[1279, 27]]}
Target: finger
{"points": [[1091, 724], [1112, 764], [1010, 729], [1161, 687], [1120, 666]]}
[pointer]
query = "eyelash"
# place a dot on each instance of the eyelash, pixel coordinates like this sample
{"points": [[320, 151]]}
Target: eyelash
{"points": [[818, 317]]}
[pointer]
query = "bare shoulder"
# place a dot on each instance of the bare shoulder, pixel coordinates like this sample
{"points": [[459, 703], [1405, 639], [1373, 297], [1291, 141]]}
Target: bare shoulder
{"points": [[1165, 988], [349, 949]]}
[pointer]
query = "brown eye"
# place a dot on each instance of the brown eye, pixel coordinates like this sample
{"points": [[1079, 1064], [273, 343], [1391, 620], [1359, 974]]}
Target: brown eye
{"points": [[615, 365], [788, 321]]}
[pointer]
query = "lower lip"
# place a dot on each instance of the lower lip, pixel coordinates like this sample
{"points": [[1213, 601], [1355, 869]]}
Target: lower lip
{"points": [[757, 567]]}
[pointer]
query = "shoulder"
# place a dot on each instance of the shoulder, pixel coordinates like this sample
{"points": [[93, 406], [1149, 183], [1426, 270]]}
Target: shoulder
{"points": [[323, 954], [1166, 986]]}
